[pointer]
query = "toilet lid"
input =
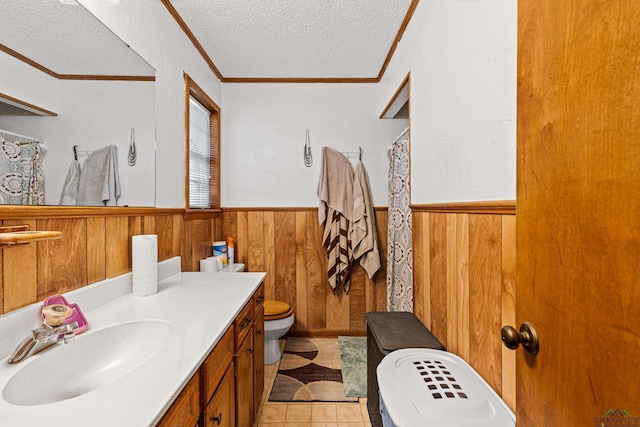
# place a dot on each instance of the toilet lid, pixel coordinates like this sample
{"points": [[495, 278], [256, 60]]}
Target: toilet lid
{"points": [[277, 309], [272, 307]]}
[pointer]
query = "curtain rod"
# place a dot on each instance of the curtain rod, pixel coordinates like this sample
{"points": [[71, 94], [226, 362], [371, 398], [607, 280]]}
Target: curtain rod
{"points": [[5, 132]]}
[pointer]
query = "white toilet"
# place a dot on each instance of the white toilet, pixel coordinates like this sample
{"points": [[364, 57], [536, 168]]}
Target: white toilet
{"points": [[278, 318]]}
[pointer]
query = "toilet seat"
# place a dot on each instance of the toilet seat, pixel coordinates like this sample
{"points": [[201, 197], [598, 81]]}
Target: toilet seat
{"points": [[275, 310]]}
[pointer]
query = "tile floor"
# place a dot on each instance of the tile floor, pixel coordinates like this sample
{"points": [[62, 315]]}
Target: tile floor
{"points": [[307, 414]]}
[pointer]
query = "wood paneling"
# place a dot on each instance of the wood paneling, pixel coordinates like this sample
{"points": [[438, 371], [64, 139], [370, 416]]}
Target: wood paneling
{"points": [[96, 244], [301, 271], [382, 220], [118, 247], [316, 274], [464, 265], [284, 256], [287, 245], [19, 278], [197, 238], [464, 285], [438, 276], [164, 230], [61, 264], [485, 288], [93, 247]]}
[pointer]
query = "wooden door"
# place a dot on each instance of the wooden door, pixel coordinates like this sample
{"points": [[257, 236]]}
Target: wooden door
{"points": [[244, 383], [258, 359], [220, 411], [578, 210]]}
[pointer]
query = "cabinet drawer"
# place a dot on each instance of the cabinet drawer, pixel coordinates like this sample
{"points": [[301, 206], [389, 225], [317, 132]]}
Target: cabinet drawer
{"points": [[185, 411], [243, 322], [216, 364], [258, 300]]}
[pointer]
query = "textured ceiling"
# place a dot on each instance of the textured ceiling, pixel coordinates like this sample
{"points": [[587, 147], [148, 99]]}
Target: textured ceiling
{"points": [[66, 39], [294, 38]]}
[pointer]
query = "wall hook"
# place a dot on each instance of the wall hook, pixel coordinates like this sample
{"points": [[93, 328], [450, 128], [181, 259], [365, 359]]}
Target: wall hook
{"points": [[133, 155], [308, 159]]}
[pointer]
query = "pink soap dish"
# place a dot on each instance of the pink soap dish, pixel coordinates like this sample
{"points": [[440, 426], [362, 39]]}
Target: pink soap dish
{"points": [[77, 315]]}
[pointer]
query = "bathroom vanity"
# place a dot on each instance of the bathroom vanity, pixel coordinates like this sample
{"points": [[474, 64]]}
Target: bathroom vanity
{"points": [[189, 354]]}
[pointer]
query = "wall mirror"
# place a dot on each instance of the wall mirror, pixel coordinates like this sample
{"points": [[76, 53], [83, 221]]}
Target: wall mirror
{"points": [[66, 80]]}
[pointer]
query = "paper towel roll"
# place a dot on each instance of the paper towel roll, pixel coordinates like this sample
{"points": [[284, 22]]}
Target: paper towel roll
{"points": [[144, 264], [209, 265]]}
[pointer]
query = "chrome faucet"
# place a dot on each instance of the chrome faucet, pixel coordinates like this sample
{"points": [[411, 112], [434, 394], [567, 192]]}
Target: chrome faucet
{"points": [[45, 336]]}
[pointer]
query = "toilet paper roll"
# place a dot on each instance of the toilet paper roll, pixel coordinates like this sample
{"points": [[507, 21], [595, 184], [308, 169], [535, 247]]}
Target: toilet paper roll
{"points": [[220, 260], [209, 265], [144, 264]]}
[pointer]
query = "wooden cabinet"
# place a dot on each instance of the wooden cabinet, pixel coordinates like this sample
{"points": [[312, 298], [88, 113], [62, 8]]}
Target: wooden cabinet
{"points": [[249, 359], [185, 410], [243, 323], [216, 364], [244, 382], [258, 358], [220, 412], [226, 389], [258, 346]]}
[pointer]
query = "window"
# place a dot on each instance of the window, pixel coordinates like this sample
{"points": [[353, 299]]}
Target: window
{"points": [[202, 187]]}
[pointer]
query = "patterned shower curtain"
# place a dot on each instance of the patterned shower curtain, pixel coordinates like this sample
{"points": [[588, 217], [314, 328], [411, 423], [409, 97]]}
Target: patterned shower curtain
{"points": [[21, 174], [400, 250]]}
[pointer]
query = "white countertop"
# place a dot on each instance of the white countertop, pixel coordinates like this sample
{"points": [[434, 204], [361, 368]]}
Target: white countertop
{"points": [[200, 306]]}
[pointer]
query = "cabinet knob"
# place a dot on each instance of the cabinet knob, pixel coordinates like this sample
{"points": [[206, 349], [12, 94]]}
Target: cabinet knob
{"points": [[258, 331], [217, 419], [246, 322], [250, 350]]}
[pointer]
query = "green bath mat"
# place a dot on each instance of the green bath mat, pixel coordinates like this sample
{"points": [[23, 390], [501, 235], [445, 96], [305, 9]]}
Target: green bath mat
{"points": [[353, 359]]}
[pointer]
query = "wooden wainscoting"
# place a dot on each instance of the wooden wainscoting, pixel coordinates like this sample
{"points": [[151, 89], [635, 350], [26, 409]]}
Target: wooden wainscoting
{"points": [[287, 244], [96, 245], [464, 283]]}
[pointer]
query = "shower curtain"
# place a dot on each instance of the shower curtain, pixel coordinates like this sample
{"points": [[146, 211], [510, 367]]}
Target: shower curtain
{"points": [[400, 251], [21, 174]]}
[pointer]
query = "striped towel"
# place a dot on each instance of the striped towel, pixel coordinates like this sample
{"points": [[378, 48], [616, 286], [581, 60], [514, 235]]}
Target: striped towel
{"points": [[336, 241]]}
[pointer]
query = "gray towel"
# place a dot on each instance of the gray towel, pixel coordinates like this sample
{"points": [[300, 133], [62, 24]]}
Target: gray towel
{"points": [[364, 235], [70, 188], [100, 180]]}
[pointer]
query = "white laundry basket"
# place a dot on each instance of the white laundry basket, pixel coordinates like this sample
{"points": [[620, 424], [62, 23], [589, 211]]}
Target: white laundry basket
{"points": [[422, 387]]}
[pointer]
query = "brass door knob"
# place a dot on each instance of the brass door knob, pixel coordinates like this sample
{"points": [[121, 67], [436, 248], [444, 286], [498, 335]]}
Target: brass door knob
{"points": [[527, 337]]}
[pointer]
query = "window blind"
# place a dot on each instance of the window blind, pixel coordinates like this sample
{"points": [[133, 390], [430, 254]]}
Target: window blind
{"points": [[199, 155]]}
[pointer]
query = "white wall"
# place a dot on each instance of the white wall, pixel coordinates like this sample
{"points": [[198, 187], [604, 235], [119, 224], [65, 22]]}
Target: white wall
{"points": [[93, 114], [28, 84], [462, 59], [151, 31], [263, 133]]}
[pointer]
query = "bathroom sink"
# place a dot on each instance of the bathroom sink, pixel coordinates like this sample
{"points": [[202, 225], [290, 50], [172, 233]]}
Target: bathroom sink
{"points": [[94, 359]]}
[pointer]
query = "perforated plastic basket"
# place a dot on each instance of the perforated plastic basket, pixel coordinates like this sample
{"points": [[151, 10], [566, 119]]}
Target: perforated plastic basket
{"points": [[423, 387]]}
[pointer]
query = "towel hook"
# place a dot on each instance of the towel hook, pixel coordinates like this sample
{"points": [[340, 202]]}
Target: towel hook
{"points": [[308, 159], [133, 155], [75, 152], [360, 150]]}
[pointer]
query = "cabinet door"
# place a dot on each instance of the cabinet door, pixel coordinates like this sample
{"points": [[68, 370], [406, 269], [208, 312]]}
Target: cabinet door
{"points": [[220, 411], [244, 382], [258, 359], [185, 411]]}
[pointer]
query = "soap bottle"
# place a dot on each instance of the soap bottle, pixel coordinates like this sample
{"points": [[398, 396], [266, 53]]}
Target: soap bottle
{"points": [[230, 250]]}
